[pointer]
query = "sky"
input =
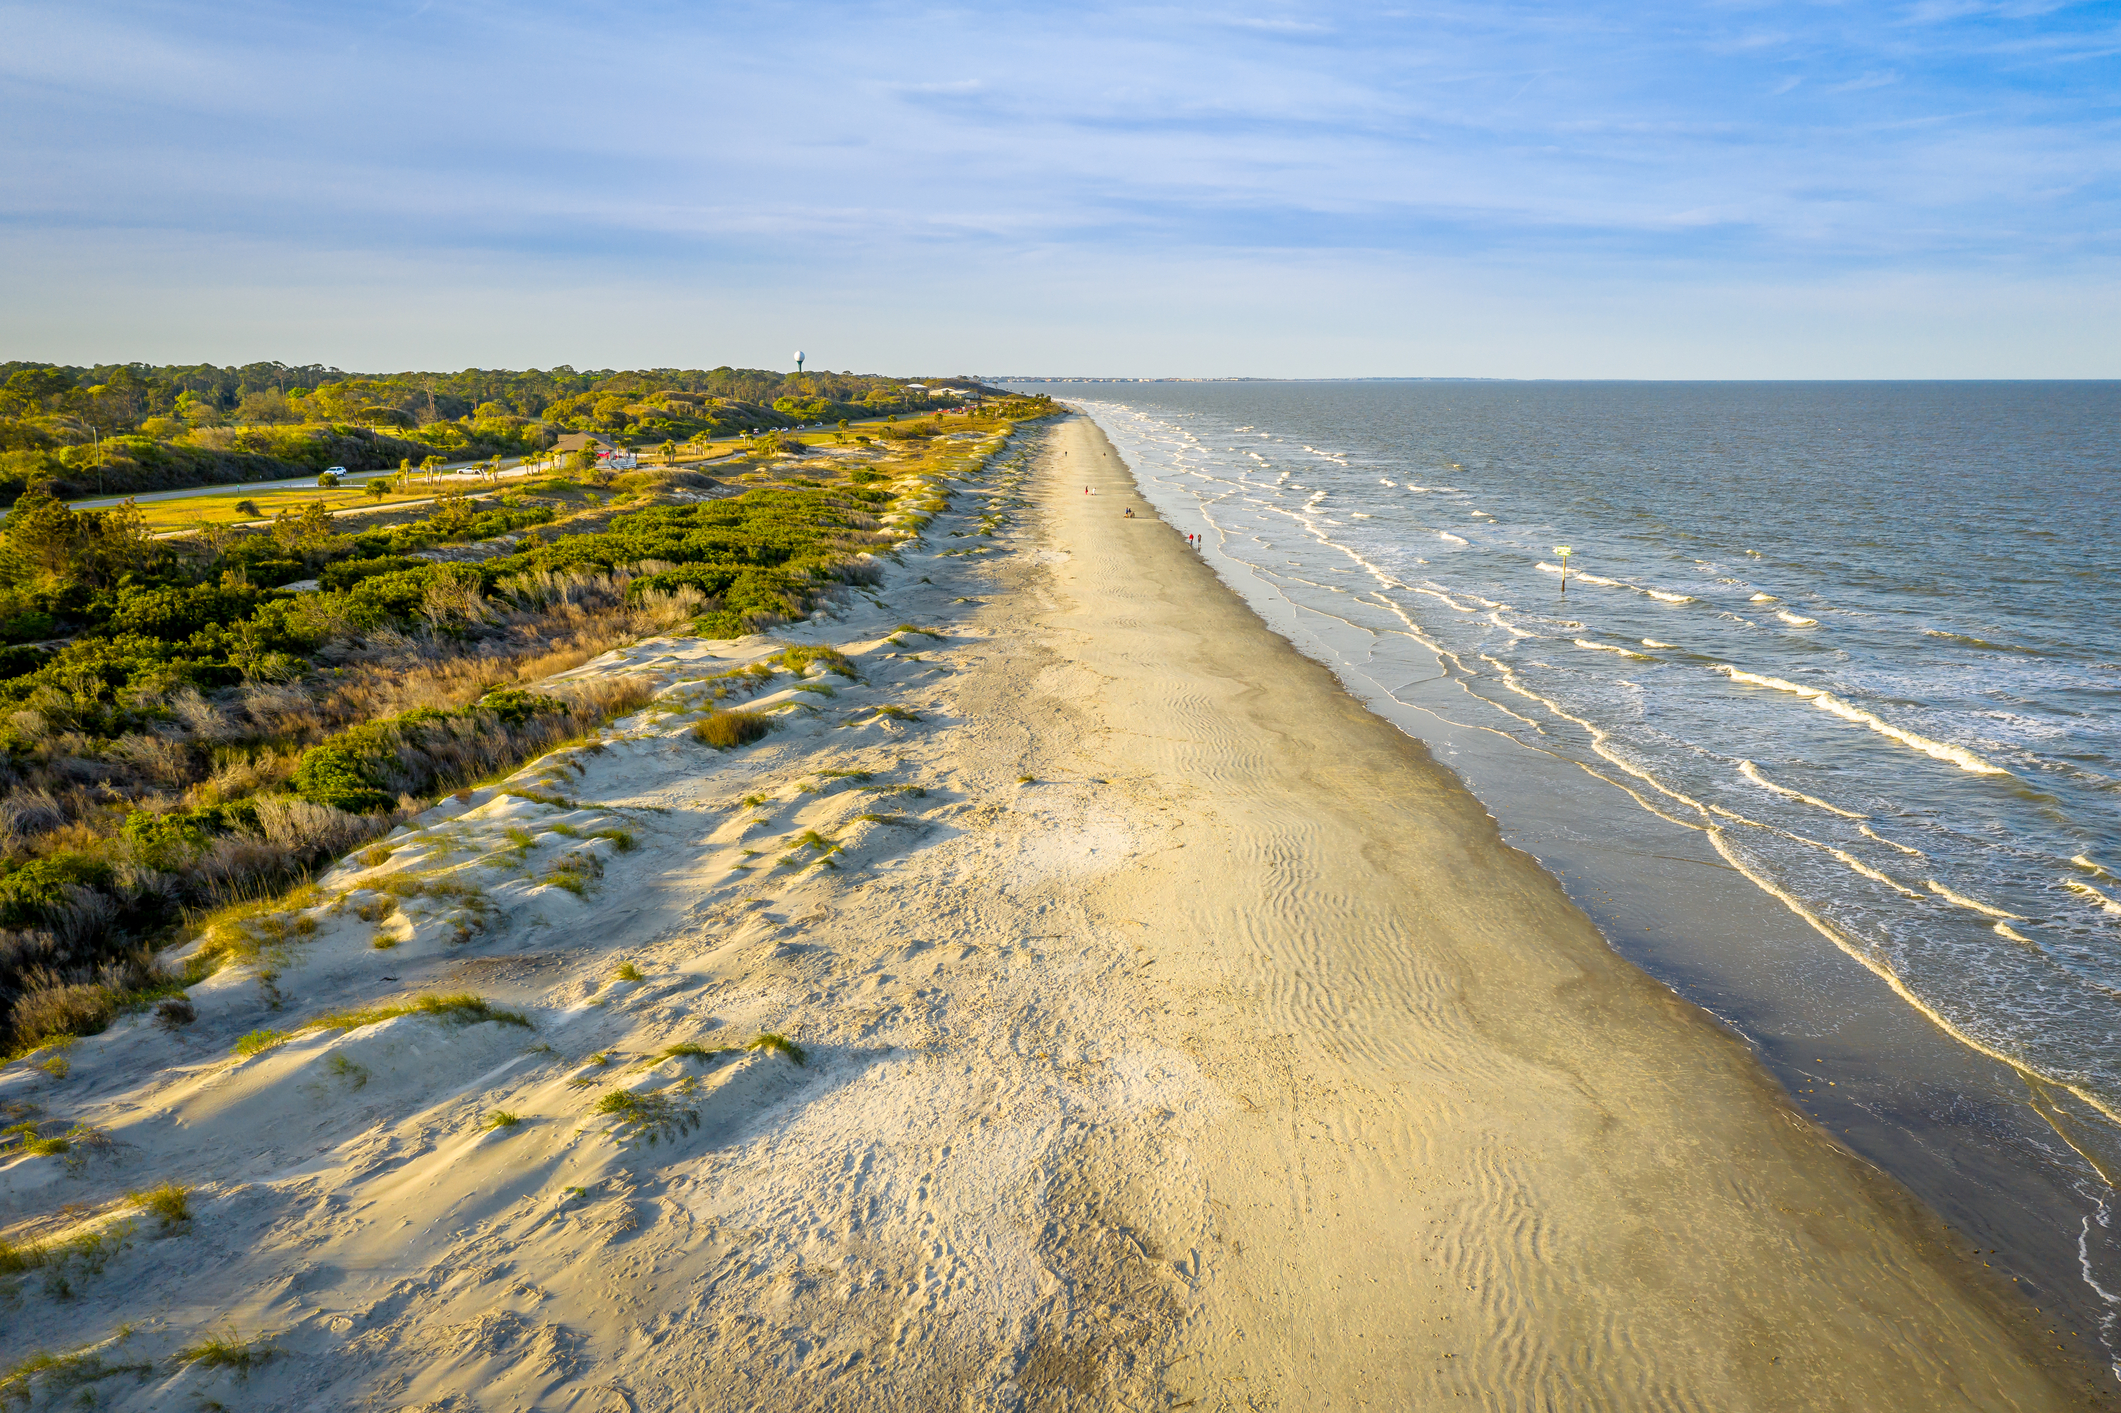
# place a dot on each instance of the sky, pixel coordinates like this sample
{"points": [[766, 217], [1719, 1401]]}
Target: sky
{"points": [[1586, 190]]}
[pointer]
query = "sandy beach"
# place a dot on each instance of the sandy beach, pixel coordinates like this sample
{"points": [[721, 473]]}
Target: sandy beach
{"points": [[1145, 1025]]}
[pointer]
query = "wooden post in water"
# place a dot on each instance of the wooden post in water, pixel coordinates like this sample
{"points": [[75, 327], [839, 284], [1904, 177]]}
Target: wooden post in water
{"points": [[1563, 551]]}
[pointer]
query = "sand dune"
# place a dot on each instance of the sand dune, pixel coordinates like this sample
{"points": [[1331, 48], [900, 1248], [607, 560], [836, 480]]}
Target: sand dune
{"points": [[1162, 1030]]}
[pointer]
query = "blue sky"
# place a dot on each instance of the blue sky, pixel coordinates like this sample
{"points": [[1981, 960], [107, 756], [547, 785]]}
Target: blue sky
{"points": [[1514, 190]]}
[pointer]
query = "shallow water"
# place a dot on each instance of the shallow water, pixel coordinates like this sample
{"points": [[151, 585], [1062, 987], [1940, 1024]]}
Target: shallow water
{"points": [[1856, 648]]}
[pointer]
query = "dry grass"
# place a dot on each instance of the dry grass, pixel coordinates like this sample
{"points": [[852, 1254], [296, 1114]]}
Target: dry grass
{"points": [[725, 730]]}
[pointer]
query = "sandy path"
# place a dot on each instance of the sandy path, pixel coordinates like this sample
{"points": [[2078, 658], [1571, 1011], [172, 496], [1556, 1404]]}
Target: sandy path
{"points": [[1175, 1035]]}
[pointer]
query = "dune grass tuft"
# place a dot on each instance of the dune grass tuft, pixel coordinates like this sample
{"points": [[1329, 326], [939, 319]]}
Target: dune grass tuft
{"points": [[628, 972], [501, 1118], [229, 1351], [169, 1202], [650, 1116], [461, 1008], [725, 730], [575, 872], [799, 659], [686, 1050], [458, 1008], [64, 1371], [781, 1045]]}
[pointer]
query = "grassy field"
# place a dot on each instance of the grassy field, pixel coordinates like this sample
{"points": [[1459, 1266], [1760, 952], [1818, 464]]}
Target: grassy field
{"points": [[217, 505]]}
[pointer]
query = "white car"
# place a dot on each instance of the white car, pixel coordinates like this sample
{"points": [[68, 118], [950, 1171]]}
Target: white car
{"points": [[334, 470]]}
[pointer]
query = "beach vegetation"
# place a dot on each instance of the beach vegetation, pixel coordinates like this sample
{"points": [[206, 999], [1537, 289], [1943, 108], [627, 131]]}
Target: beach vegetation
{"points": [[773, 1044], [502, 1119], [575, 872], [687, 1050], [21, 1381], [628, 972], [257, 1042], [457, 1008], [169, 1203], [66, 1259], [185, 735], [226, 1351], [726, 730], [650, 1116]]}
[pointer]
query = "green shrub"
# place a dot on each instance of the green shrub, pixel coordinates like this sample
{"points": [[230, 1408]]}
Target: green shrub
{"points": [[32, 893], [169, 841]]}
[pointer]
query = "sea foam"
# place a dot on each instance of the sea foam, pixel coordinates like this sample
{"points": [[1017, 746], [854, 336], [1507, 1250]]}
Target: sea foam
{"points": [[1826, 701]]}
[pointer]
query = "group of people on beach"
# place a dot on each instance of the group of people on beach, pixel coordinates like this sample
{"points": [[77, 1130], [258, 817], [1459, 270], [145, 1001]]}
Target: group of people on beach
{"points": [[1192, 541]]}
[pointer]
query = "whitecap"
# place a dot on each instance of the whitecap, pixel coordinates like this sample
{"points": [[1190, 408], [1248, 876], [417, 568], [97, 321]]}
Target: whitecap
{"points": [[1662, 597], [1610, 648], [1826, 701], [1752, 773], [1796, 620], [2003, 930], [1596, 579], [2098, 898], [1446, 535], [1653, 643], [1975, 904], [1890, 844], [1763, 598]]}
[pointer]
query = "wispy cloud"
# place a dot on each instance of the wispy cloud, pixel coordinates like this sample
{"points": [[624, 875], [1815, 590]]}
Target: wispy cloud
{"points": [[888, 147], [1876, 79]]}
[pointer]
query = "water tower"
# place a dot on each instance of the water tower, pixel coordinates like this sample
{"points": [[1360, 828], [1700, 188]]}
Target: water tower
{"points": [[799, 362]]}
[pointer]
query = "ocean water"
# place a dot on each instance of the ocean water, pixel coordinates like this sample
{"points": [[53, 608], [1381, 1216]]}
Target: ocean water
{"points": [[1858, 645]]}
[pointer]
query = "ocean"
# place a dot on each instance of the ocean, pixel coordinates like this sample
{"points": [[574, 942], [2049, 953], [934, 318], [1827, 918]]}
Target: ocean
{"points": [[1822, 724]]}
